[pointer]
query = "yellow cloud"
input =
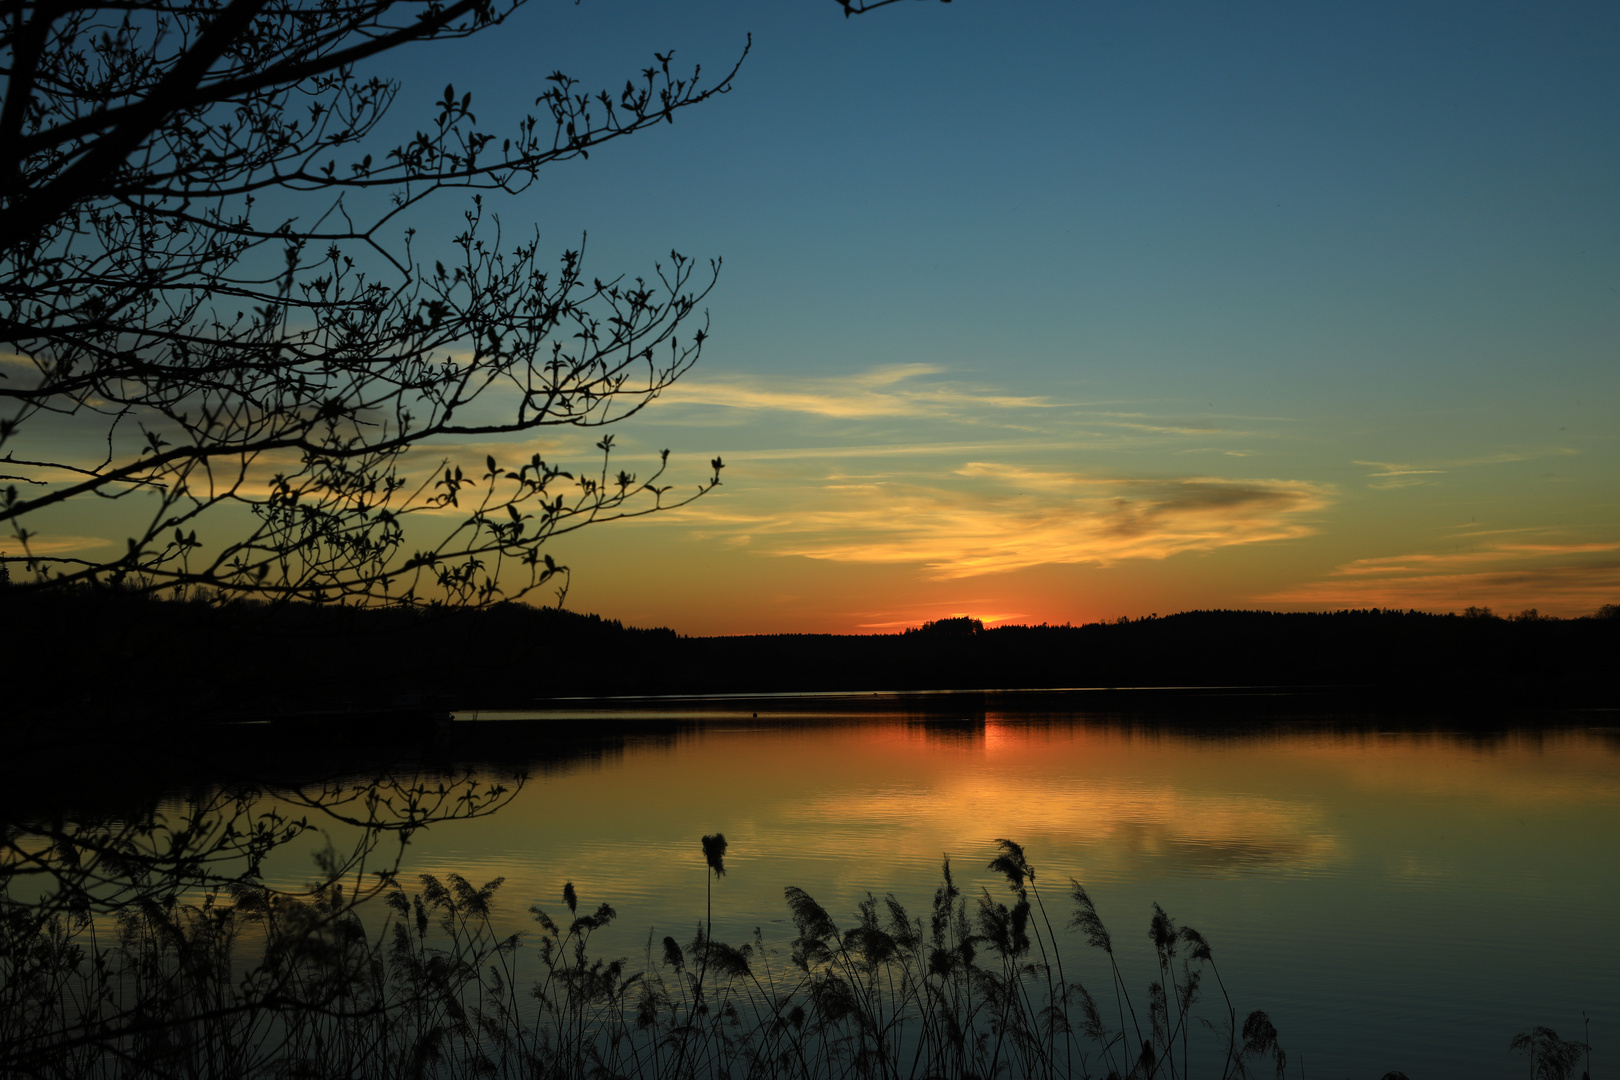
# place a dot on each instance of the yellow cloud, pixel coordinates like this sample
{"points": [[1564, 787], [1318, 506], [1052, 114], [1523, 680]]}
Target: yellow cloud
{"points": [[51, 545], [1005, 518], [887, 391]]}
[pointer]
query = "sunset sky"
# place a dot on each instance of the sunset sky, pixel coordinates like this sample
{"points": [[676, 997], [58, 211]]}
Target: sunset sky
{"points": [[1046, 311], [1058, 312]]}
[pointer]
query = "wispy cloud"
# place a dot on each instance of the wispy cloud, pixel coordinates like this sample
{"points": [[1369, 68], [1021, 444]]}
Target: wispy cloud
{"points": [[1160, 426], [896, 450], [901, 390], [1559, 577], [915, 391], [1389, 565], [998, 518], [52, 545], [1388, 475]]}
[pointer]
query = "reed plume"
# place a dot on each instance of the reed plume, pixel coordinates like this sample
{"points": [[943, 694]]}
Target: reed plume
{"points": [[963, 991]]}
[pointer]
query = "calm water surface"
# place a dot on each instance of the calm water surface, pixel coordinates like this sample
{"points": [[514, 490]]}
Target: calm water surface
{"points": [[1394, 899]]}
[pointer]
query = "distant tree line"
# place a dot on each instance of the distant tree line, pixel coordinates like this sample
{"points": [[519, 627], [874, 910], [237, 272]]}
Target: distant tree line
{"points": [[106, 654]]}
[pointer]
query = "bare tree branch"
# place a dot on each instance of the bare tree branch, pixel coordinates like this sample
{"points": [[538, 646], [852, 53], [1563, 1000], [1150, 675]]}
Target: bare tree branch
{"points": [[207, 357]]}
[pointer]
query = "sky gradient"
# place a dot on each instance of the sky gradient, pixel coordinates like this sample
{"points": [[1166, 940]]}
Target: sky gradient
{"points": [[1054, 312], [1057, 312]]}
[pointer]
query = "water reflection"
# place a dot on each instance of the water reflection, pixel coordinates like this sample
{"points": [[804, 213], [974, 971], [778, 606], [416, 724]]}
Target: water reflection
{"points": [[158, 938], [1207, 832], [1355, 876]]}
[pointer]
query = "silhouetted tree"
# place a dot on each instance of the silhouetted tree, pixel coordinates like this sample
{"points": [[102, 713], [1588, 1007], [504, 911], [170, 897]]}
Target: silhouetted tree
{"points": [[117, 929], [957, 626], [210, 297], [59, 862]]}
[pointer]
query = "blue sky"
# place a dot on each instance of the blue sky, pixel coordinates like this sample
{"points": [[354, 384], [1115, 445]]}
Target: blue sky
{"points": [[1058, 311]]}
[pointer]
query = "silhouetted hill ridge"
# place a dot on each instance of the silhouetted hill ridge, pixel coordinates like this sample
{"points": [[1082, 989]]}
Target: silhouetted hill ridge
{"points": [[108, 652]]}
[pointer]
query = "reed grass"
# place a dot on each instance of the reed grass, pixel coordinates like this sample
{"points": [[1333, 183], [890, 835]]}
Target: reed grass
{"points": [[246, 983]]}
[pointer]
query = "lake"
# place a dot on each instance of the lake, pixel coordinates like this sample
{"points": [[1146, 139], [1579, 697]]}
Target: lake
{"points": [[1402, 894], [1396, 891]]}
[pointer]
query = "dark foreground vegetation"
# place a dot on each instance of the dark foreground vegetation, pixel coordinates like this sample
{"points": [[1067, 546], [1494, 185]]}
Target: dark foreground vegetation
{"points": [[242, 982], [132, 964], [132, 657]]}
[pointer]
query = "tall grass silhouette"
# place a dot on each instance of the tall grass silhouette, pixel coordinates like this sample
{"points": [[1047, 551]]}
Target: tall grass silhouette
{"points": [[244, 983]]}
